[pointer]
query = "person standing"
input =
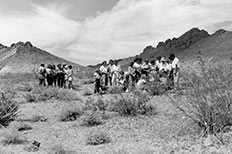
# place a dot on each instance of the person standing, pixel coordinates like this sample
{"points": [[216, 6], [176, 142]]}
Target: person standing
{"points": [[104, 73], [137, 67], [65, 76], [116, 69], [49, 75], [97, 82], [109, 71], [70, 77], [175, 64], [131, 76], [60, 76], [42, 75]]}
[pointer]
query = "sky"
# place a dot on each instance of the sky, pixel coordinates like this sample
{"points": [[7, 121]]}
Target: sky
{"points": [[91, 31]]}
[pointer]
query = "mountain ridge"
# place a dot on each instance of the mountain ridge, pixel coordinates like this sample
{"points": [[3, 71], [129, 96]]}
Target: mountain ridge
{"points": [[187, 46], [24, 57]]}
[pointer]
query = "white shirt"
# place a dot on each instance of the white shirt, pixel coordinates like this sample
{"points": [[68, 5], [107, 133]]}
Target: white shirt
{"points": [[136, 65], [103, 69], [176, 63], [158, 64], [116, 68]]}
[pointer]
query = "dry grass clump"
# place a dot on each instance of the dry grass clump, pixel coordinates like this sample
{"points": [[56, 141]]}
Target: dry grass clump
{"points": [[30, 97], [9, 110], [155, 88], [71, 112], [44, 94], [115, 90], [12, 136], [20, 126], [209, 98], [88, 81], [91, 118], [87, 92], [24, 87], [97, 138], [132, 105], [58, 149]]}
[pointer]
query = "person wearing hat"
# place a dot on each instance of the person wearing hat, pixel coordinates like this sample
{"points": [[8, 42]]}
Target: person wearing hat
{"points": [[175, 66]]}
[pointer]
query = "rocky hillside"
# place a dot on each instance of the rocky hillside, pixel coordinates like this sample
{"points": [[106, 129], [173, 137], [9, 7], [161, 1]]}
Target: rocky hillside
{"points": [[217, 46], [24, 57]]}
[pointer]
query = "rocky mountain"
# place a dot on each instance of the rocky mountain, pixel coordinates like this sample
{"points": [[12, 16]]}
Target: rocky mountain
{"points": [[217, 46], [24, 57]]}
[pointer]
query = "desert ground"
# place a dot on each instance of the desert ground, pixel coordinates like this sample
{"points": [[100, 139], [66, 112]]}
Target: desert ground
{"points": [[44, 116]]}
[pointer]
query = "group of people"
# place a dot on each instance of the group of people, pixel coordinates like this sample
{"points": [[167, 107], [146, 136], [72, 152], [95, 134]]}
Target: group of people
{"points": [[139, 73], [58, 76]]}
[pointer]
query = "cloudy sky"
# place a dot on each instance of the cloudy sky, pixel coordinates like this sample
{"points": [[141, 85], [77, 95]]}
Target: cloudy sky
{"points": [[90, 31]]}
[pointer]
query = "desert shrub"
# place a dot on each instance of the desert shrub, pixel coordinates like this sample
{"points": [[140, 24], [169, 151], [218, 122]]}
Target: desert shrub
{"points": [[8, 110], [34, 118], [208, 97], [88, 81], [115, 90], [20, 126], [43, 94], [70, 112], [91, 118], [24, 87], [87, 92], [12, 136], [132, 105], [58, 149], [97, 138], [156, 88], [30, 97]]}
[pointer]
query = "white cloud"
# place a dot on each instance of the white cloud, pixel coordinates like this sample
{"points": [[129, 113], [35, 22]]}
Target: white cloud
{"points": [[45, 28], [123, 31]]}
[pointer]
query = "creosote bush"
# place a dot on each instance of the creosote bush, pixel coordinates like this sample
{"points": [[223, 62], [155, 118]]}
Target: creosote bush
{"points": [[91, 118], [44, 94], [71, 112], [97, 138], [9, 110], [209, 97], [115, 90], [132, 104]]}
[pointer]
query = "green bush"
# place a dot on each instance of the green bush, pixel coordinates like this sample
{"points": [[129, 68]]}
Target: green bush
{"points": [[9, 110], [97, 138]]}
